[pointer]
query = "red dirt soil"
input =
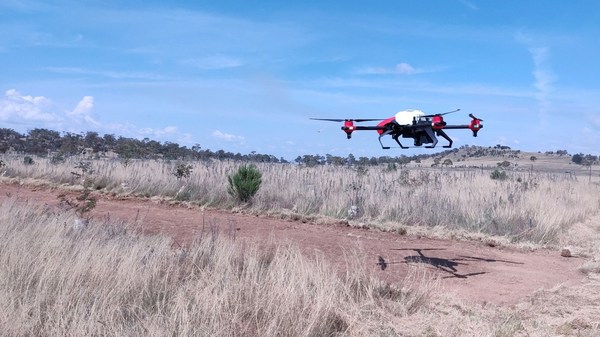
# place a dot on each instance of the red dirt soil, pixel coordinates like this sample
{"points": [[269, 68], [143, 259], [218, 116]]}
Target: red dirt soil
{"points": [[474, 271]]}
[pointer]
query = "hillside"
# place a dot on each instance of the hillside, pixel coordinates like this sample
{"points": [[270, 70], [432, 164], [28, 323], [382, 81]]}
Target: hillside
{"points": [[559, 162]]}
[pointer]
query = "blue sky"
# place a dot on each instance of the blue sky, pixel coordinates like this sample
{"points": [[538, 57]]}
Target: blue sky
{"points": [[245, 76]]}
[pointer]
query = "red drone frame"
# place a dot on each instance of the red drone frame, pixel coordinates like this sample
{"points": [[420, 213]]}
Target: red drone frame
{"points": [[410, 124]]}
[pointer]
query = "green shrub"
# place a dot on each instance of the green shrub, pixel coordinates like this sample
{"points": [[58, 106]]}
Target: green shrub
{"points": [[85, 167], [244, 184], [57, 158], [498, 175], [182, 171], [82, 203]]}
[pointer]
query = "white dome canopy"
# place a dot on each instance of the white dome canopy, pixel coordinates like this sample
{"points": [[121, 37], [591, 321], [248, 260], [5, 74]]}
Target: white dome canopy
{"points": [[405, 117]]}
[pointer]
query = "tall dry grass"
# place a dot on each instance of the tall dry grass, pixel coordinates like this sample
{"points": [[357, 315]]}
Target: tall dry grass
{"points": [[107, 280], [531, 207]]}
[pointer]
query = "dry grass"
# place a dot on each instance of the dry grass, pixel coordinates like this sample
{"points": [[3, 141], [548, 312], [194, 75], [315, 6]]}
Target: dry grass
{"points": [[526, 207], [561, 311], [106, 280]]}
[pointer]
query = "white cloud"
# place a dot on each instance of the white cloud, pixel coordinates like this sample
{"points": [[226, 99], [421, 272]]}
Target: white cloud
{"points": [[214, 62], [470, 5], [544, 79], [83, 110], [18, 108], [159, 133], [405, 68], [119, 75], [186, 138], [594, 120], [400, 68], [169, 133], [227, 137], [83, 107], [170, 129]]}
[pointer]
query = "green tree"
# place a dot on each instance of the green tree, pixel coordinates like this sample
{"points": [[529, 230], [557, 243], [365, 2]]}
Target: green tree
{"points": [[244, 184], [577, 158], [182, 170], [503, 164], [498, 175]]}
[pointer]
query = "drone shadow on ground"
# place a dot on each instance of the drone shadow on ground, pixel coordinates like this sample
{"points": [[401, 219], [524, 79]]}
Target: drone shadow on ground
{"points": [[450, 266]]}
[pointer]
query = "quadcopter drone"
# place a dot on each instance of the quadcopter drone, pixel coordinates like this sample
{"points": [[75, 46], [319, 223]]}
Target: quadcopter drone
{"points": [[414, 124]]}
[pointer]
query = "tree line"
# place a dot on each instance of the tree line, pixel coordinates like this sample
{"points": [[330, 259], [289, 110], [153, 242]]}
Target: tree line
{"points": [[44, 142]]}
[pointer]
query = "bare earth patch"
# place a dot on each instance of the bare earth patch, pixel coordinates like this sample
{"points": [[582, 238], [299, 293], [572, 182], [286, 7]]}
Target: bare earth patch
{"points": [[473, 271]]}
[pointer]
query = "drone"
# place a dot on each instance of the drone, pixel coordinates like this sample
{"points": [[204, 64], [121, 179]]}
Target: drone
{"points": [[415, 124]]}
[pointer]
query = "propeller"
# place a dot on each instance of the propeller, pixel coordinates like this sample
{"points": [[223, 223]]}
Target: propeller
{"points": [[445, 113], [471, 115], [475, 124], [348, 119]]}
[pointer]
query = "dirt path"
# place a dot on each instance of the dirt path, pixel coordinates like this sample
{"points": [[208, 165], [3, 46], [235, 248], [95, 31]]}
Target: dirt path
{"points": [[474, 271]]}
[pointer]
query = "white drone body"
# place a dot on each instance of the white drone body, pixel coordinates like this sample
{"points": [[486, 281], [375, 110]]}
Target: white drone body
{"points": [[406, 117]]}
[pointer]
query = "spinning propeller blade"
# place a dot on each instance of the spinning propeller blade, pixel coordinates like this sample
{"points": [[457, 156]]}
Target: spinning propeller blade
{"points": [[348, 119], [445, 113], [471, 115]]}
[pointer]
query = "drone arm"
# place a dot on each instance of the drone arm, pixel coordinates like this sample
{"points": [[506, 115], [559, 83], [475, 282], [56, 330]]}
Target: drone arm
{"points": [[349, 127], [360, 127], [456, 127], [475, 127]]}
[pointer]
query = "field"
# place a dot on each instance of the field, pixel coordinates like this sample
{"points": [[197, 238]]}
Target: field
{"points": [[118, 275]]}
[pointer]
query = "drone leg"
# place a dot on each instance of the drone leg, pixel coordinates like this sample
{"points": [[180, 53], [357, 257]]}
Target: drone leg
{"points": [[397, 141], [383, 147], [433, 138], [443, 134]]}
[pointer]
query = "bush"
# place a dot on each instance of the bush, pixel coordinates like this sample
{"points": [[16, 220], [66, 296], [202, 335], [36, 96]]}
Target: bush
{"points": [[498, 175], [83, 203], [182, 171], [504, 164], [85, 167], [244, 184], [57, 158], [28, 160], [577, 158]]}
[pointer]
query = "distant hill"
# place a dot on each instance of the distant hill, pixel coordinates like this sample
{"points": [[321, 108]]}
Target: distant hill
{"points": [[505, 158]]}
